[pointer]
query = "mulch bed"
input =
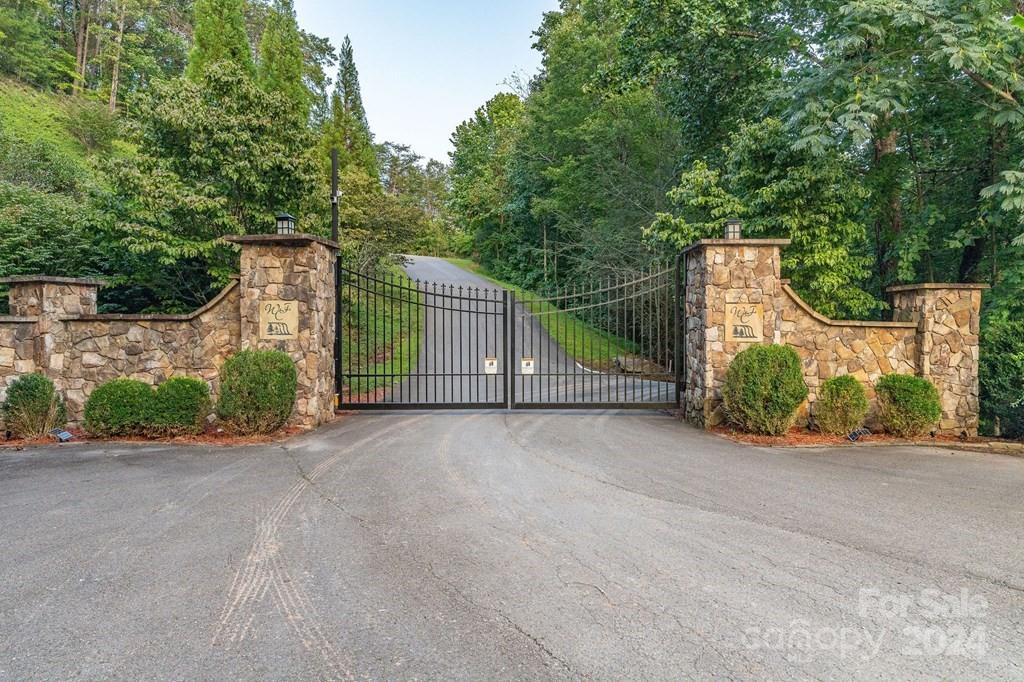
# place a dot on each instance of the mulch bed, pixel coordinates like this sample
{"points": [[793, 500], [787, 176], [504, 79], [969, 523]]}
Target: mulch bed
{"points": [[801, 437], [213, 435]]}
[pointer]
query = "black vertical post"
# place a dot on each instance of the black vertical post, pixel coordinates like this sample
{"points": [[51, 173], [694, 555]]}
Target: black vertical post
{"points": [[680, 301], [337, 278], [508, 299]]}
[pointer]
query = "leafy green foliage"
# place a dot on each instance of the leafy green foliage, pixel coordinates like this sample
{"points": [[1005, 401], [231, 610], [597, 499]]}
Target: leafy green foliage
{"points": [[841, 406], [908, 406], [813, 200], [479, 182], [257, 391], [122, 407], [32, 407], [927, 96], [1002, 377], [282, 66], [47, 226], [220, 36], [763, 388], [181, 406], [216, 157]]}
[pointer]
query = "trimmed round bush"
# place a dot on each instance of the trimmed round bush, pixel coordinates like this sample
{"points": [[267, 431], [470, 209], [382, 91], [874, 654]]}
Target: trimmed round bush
{"points": [[908, 406], [32, 407], [257, 391], [122, 407], [841, 406], [181, 406], [764, 386]]}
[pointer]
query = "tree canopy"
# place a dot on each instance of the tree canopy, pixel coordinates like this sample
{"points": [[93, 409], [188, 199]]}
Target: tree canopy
{"points": [[882, 137]]}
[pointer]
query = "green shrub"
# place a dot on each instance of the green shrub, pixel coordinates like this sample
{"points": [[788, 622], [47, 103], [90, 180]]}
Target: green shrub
{"points": [[92, 124], [764, 386], [257, 391], [908, 406], [841, 407], [32, 407], [1000, 374], [181, 406], [122, 407]]}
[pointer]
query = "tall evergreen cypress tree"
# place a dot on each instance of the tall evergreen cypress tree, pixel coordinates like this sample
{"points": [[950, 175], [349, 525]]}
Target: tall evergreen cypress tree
{"points": [[219, 36], [281, 62], [347, 87], [347, 128]]}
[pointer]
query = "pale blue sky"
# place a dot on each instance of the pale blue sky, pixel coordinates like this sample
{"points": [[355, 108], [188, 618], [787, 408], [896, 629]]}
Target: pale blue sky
{"points": [[426, 66]]}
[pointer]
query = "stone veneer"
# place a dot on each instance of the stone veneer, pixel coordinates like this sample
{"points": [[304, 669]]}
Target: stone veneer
{"points": [[296, 268], [948, 319], [934, 335], [54, 328]]}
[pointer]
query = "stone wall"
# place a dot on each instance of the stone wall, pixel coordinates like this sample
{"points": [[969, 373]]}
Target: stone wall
{"points": [[152, 348], [79, 349], [55, 329], [934, 335]]}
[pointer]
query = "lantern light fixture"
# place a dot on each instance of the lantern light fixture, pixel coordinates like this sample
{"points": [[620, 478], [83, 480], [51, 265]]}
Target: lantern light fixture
{"points": [[733, 228], [285, 223]]}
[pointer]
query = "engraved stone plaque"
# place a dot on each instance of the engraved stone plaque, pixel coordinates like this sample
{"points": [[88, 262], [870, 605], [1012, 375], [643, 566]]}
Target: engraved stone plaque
{"points": [[279, 320], [744, 322]]}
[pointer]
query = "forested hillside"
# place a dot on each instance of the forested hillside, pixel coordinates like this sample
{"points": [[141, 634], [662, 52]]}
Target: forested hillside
{"points": [[882, 137], [134, 135]]}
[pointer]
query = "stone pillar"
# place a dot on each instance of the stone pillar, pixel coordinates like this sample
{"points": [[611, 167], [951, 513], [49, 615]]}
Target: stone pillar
{"points": [[948, 318], [287, 303], [52, 301], [731, 285], [53, 297]]}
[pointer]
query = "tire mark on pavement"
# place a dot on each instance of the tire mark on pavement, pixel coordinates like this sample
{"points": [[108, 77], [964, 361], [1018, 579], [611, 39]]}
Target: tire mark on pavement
{"points": [[264, 571]]}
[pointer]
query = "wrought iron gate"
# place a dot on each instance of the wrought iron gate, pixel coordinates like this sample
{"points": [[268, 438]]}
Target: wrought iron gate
{"points": [[413, 345], [611, 344], [417, 345]]}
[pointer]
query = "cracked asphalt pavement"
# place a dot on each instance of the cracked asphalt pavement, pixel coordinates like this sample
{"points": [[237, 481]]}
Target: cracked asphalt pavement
{"points": [[494, 545]]}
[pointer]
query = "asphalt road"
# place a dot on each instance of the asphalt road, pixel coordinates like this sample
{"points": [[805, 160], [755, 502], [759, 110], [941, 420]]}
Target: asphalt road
{"points": [[464, 323], [504, 545]]}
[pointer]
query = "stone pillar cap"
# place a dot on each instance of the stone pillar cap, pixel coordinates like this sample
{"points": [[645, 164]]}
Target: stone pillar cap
{"points": [[298, 239], [936, 285], [47, 279], [736, 242]]}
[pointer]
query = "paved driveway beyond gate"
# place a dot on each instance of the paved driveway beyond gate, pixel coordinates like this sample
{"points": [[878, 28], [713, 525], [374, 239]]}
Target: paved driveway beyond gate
{"points": [[509, 546]]}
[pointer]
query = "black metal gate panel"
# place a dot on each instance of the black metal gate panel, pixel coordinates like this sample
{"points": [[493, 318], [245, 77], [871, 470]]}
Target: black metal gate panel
{"points": [[612, 344], [415, 345]]}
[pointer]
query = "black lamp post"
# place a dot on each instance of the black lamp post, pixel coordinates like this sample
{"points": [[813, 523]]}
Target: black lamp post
{"points": [[733, 228], [285, 223]]}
